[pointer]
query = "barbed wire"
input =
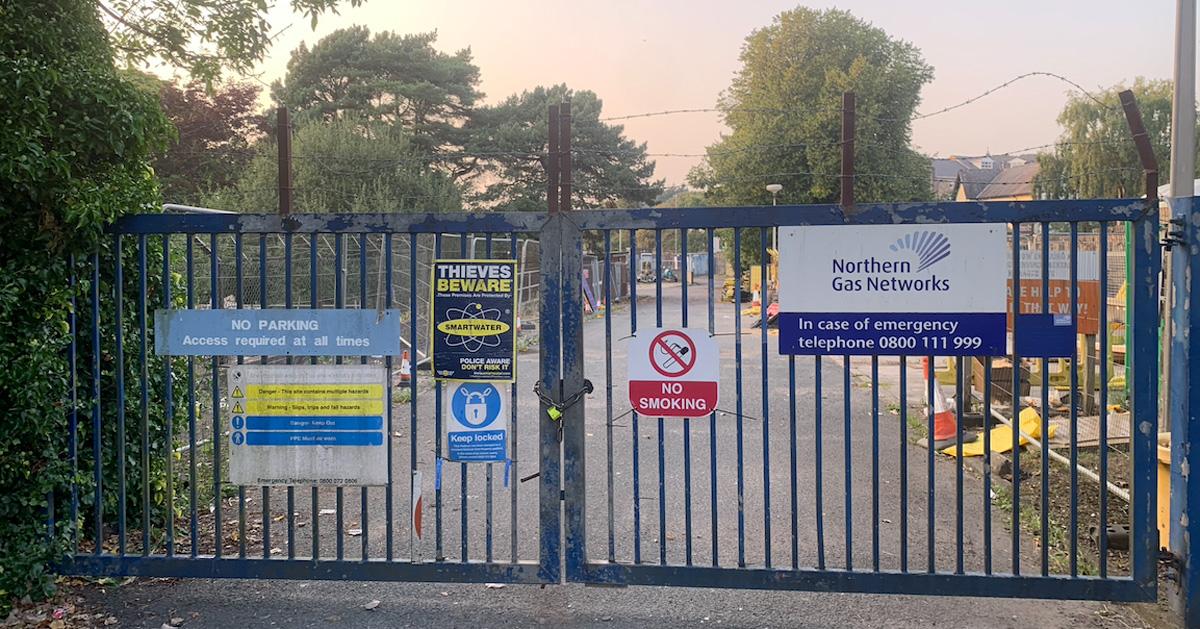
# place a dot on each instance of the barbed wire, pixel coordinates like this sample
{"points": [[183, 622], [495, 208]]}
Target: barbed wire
{"points": [[914, 117]]}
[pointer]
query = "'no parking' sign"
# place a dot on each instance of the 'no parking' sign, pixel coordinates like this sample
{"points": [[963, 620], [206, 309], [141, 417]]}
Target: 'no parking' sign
{"points": [[673, 372]]}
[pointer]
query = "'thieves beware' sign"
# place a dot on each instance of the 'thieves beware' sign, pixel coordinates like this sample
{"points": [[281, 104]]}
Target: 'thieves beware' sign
{"points": [[674, 372], [474, 336], [893, 289]]}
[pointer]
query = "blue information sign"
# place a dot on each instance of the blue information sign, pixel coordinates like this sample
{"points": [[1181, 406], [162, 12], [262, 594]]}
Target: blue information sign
{"points": [[277, 332], [477, 426], [898, 334]]}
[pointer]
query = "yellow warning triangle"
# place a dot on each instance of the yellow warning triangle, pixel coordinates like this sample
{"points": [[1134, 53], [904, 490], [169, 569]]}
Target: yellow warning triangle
{"points": [[237, 392], [237, 408]]}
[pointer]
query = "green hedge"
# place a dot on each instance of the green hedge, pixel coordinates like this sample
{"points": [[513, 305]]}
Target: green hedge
{"points": [[75, 138]]}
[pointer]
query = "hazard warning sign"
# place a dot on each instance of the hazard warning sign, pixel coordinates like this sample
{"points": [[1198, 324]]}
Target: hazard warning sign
{"points": [[673, 372]]}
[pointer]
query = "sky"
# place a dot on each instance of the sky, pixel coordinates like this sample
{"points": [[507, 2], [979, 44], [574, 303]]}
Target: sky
{"points": [[675, 54]]}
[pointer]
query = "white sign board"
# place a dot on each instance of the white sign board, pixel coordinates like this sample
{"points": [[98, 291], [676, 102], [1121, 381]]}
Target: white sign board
{"points": [[674, 372], [893, 289], [307, 424], [476, 421], [1088, 269]]}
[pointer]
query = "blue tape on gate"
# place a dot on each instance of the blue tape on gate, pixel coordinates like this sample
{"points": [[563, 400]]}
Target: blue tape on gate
{"points": [[437, 476], [507, 470], [1045, 336], [892, 334]]}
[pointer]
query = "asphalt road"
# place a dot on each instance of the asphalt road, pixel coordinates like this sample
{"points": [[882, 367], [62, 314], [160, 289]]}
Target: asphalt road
{"points": [[755, 453]]}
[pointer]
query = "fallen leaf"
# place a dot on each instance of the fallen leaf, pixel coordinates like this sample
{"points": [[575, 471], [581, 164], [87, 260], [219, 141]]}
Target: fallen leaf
{"points": [[176, 621], [111, 620], [494, 586], [354, 532], [372, 605], [327, 512]]}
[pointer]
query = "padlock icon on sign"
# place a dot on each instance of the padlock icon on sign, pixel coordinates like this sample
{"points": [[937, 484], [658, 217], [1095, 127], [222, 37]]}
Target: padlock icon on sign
{"points": [[475, 410]]}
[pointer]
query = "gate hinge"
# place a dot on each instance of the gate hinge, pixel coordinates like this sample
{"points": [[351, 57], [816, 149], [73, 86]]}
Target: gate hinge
{"points": [[1174, 234]]}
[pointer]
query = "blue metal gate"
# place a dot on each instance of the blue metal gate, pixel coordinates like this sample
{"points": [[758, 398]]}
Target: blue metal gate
{"points": [[789, 486]]}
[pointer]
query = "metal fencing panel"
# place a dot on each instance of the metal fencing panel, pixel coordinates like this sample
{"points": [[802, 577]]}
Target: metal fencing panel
{"points": [[806, 476], [171, 445]]}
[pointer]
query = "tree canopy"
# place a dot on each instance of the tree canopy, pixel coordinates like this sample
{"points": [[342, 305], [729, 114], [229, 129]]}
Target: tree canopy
{"points": [[1095, 156], [203, 38], [214, 131], [784, 113], [508, 143], [348, 165], [397, 79]]}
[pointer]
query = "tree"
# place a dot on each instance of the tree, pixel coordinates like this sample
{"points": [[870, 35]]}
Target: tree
{"points": [[1095, 156], [344, 166], [784, 114], [214, 131], [508, 144], [200, 37], [399, 79], [76, 142]]}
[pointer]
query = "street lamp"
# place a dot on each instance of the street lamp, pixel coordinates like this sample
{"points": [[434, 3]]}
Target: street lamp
{"points": [[774, 189]]}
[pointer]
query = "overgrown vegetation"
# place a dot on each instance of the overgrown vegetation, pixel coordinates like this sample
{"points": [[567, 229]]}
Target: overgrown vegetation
{"points": [[76, 142], [74, 148]]}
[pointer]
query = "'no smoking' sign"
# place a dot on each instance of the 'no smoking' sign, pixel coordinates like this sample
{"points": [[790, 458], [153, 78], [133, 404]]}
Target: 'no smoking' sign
{"points": [[673, 373]]}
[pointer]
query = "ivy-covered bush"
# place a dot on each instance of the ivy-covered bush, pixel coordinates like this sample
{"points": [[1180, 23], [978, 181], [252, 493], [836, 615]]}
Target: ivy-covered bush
{"points": [[75, 139]]}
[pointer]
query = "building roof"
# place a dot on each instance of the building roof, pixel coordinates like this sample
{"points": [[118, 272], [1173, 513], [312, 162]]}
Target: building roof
{"points": [[1009, 182], [974, 181]]}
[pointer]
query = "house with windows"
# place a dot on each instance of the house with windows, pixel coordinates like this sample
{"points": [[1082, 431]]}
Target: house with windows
{"points": [[1012, 183], [951, 174]]}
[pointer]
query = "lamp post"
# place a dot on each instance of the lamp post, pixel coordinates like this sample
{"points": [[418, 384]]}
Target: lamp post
{"points": [[774, 189]]}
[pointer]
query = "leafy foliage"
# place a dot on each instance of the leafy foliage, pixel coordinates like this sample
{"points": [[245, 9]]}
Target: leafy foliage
{"points": [[508, 141], [1095, 156], [398, 79], [214, 131], [200, 37], [348, 165], [74, 154], [784, 112], [75, 147]]}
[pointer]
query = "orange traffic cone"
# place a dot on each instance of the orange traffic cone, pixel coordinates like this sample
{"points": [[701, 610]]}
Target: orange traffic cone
{"points": [[945, 421], [405, 367]]}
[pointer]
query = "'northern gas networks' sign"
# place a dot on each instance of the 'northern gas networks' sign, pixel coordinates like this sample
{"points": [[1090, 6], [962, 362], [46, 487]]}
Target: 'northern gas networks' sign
{"points": [[893, 289]]}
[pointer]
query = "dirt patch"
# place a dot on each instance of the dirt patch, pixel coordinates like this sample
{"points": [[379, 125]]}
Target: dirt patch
{"points": [[1086, 531]]}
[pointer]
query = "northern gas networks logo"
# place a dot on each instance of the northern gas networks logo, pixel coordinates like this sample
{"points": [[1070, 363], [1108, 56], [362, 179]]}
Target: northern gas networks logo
{"points": [[930, 247], [874, 274]]}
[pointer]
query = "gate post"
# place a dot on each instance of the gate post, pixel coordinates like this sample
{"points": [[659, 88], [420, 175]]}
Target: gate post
{"points": [[1184, 407], [1143, 324], [550, 354]]}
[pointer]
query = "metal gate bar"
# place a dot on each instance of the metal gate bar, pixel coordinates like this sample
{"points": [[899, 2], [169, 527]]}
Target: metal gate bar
{"points": [[938, 577]]}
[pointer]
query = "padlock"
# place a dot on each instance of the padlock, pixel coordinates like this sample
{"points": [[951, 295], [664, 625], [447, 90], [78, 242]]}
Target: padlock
{"points": [[554, 413], [475, 412], [475, 406]]}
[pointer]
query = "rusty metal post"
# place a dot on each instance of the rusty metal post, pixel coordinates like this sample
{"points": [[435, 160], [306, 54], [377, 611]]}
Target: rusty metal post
{"points": [[847, 173], [552, 158], [283, 129], [564, 142]]}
